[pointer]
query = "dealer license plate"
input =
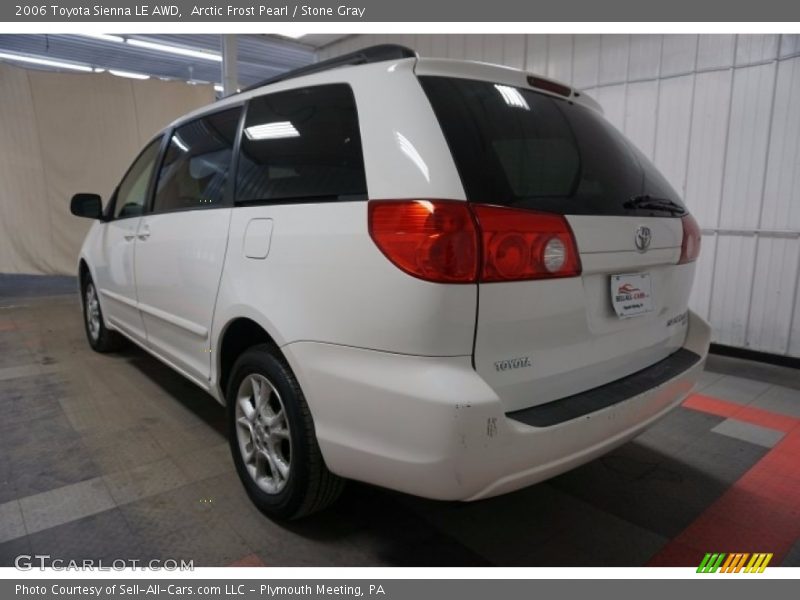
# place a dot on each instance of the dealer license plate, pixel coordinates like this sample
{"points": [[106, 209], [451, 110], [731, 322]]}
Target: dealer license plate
{"points": [[631, 294]]}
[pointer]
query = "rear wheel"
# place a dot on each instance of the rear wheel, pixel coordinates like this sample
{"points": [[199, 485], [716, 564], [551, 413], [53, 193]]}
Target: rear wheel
{"points": [[100, 338], [273, 441]]}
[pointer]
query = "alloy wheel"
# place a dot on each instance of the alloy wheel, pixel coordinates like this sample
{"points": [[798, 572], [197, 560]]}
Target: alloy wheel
{"points": [[262, 432], [92, 311]]}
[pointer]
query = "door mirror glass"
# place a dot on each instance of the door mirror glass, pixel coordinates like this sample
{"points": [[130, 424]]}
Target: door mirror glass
{"points": [[86, 205]]}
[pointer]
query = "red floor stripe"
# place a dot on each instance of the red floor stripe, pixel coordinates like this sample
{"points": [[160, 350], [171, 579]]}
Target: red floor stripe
{"points": [[748, 414], [761, 511]]}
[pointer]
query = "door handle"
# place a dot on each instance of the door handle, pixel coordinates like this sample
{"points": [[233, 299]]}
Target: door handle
{"points": [[128, 238], [144, 234]]}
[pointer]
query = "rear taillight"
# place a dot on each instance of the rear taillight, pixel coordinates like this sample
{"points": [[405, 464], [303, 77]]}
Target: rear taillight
{"points": [[433, 240], [458, 242], [522, 244], [690, 247]]}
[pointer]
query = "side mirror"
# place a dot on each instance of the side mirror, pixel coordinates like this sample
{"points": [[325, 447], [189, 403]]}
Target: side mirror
{"points": [[87, 205]]}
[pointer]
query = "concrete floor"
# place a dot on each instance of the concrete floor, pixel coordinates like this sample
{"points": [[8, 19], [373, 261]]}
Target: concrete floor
{"points": [[115, 456]]}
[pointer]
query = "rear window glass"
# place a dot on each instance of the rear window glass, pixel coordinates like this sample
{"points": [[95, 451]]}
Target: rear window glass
{"points": [[517, 147], [302, 146]]}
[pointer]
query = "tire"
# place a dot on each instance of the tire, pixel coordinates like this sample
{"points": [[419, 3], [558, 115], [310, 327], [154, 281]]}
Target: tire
{"points": [[274, 445], [100, 338]]}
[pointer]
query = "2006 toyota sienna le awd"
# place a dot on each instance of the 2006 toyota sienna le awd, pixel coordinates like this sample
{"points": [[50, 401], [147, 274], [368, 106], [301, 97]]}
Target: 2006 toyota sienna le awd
{"points": [[447, 278]]}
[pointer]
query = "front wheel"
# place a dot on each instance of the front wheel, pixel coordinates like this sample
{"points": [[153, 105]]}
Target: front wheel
{"points": [[272, 438], [100, 338]]}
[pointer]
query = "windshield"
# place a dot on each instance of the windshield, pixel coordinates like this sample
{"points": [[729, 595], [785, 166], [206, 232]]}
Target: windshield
{"points": [[517, 147]]}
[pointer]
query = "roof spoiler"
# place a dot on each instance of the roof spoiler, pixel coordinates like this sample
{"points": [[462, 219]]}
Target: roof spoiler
{"points": [[371, 54]]}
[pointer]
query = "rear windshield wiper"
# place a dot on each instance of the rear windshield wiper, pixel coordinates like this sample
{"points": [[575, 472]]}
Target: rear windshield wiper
{"points": [[648, 202]]}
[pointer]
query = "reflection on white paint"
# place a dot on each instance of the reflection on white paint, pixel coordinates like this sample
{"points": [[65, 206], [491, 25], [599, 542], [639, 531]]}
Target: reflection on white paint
{"points": [[407, 148]]}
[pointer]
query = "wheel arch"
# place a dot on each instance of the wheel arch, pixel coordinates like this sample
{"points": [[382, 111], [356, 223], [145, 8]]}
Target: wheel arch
{"points": [[83, 271], [239, 334]]}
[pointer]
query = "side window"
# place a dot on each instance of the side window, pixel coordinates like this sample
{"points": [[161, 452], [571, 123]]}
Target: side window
{"points": [[196, 164], [132, 191], [302, 145]]}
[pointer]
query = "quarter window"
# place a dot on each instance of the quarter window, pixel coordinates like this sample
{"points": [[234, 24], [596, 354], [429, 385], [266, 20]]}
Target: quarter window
{"points": [[132, 191], [302, 146], [195, 170]]}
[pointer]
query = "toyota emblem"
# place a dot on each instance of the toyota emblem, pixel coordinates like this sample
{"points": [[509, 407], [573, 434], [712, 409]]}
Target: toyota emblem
{"points": [[642, 238]]}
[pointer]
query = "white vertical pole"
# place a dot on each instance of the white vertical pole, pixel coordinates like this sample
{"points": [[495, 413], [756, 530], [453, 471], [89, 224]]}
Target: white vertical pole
{"points": [[230, 73]]}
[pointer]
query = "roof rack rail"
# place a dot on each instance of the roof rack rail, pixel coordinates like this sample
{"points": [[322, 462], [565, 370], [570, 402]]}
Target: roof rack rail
{"points": [[371, 54]]}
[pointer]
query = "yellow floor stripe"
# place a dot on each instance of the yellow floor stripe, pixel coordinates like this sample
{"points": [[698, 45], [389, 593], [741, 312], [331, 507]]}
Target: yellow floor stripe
{"points": [[765, 563], [754, 567]]}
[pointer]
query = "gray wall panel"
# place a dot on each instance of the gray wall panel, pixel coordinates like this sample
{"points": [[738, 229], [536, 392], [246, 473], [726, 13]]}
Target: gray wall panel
{"points": [[746, 153], [645, 53], [715, 51], [772, 297], [536, 53], [560, 57], [613, 59], [732, 283], [612, 98], [678, 54], [586, 61], [673, 128], [752, 49], [641, 113], [707, 146], [781, 207]]}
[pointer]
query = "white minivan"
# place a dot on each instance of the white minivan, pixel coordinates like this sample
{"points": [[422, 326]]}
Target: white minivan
{"points": [[447, 278]]}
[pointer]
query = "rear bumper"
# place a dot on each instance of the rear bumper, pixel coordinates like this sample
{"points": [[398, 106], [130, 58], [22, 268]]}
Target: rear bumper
{"points": [[433, 428], [604, 396]]}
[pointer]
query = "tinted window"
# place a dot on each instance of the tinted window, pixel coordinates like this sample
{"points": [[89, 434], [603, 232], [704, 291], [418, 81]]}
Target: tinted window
{"points": [[132, 191], [516, 147], [302, 145], [195, 170]]}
